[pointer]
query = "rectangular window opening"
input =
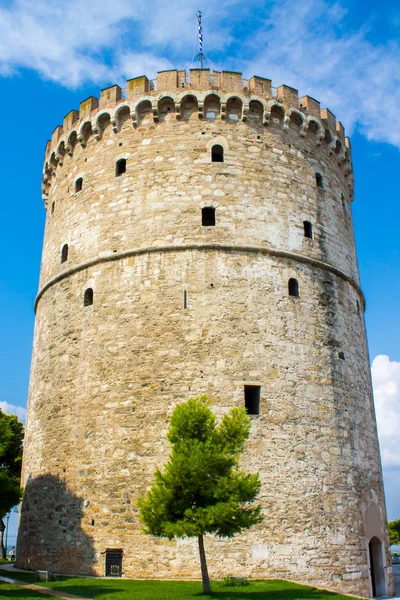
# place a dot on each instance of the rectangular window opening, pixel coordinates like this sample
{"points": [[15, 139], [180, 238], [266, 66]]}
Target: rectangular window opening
{"points": [[252, 399], [208, 216], [307, 229]]}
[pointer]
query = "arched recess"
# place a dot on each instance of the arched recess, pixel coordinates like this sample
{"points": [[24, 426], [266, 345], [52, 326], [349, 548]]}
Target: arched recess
{"points": [[314, 131], [255, 114], [328, 138], [218, 140], [338, 147], [144, 113], [122, 117], [277, 115], [212, 107], [377, 571], [103, 122], [375, 532], [189, 107], [53, 160], [166, 109], [85, 132], [295, 121], [71, 143], [60, 153], [234, 107]]}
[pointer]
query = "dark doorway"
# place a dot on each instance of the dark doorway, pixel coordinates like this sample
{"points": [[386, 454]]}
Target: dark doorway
{"points": [[114, 563], [376, 567]]}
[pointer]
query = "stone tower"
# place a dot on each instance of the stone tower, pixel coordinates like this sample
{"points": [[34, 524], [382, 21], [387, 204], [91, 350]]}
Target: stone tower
{"points": [[199, 240]]}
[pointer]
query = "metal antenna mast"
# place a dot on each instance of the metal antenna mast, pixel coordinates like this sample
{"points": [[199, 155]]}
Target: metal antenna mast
{"points": [[200, 56]]}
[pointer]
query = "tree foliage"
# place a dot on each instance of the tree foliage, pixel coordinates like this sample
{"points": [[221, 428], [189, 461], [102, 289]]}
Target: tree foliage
{"points": [[394, 532], [11, 438], [201, 488]]}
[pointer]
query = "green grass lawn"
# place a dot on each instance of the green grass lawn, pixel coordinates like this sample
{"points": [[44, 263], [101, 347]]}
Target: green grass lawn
{"points": [[125, 589]]}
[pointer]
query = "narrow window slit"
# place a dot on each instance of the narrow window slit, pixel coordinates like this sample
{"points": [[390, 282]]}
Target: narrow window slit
{"points": [[88, 297], [307, 229], [293, 287], [64, 253], [78, 185], [120, 167], [185, 299], [252, 399], [319, 180], [344, 205]]}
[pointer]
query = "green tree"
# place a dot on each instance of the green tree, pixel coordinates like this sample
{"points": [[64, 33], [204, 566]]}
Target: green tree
{"points": [[394, 532], [201, 488], [11, 438]]}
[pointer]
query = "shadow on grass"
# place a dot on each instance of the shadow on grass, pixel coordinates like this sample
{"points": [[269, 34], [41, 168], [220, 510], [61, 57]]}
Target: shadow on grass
{"points": [[267, 595], [14, 591], [272, 591], [8, 591], [86, 592]]}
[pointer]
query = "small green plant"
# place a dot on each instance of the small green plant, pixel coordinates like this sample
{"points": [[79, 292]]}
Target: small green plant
{"points": [[231, 581]]}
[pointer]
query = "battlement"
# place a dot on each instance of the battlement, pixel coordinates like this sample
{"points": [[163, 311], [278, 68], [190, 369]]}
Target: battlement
{"points": [[233, 98]]}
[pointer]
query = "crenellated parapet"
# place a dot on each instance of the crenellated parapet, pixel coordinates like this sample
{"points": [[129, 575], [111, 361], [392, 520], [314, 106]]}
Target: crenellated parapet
{"points": [[208, 94]]}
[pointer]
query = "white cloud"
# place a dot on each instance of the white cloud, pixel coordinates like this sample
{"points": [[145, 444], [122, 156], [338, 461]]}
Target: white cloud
{"points": [[308, 44], [11, 409], [133, 64], [80, 41], [386, 382]]}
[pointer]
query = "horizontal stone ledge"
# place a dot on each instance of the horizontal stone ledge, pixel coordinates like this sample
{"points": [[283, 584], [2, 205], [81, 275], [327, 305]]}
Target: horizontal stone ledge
{"points": [[238, 248]]}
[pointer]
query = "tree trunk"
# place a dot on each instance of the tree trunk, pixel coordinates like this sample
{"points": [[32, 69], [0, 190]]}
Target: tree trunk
{"points": [[203, 563], [2, 549]]}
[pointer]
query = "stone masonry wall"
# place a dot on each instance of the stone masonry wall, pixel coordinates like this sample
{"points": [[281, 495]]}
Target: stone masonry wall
{"points": [[105, 378]]}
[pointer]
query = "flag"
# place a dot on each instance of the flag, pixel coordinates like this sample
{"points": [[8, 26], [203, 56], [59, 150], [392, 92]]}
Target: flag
{"points": [[200, 32]]}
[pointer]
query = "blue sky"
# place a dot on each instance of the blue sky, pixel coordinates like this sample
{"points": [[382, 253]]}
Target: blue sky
{"points": [[345, 54]]}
